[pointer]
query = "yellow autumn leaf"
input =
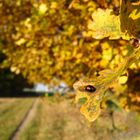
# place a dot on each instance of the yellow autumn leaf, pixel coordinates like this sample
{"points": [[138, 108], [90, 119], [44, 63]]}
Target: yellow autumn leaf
{"points": [[90, 104], [130, 18], [42, 9], [54, 5], [104, 24], [20, 41], [123, 79], [91, 110]]}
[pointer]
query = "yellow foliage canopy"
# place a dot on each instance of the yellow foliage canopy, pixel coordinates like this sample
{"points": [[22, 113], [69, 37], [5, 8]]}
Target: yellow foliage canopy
{"points": [[130, 17]]}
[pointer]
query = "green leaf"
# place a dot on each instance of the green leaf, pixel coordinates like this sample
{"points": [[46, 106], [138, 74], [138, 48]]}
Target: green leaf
{"points": [[112, 105], [82, 100]]}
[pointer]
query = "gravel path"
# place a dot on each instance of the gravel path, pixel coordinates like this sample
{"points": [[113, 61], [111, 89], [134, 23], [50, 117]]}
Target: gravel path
{"points": [[27, 118]]}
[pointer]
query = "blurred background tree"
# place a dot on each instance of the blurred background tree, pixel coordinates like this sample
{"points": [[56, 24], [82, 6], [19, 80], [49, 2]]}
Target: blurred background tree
{"points": [[44, 40]]}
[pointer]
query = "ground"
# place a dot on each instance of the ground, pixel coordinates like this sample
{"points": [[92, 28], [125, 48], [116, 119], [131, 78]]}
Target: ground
{"points": [[54, 118]]}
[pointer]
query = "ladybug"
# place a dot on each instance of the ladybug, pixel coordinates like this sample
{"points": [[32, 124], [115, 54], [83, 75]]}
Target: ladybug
{"points": [[90, 88], [135, 42]]}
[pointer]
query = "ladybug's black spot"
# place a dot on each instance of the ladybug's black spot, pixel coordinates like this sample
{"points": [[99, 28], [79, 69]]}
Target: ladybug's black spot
{"points": [[90, 88]]}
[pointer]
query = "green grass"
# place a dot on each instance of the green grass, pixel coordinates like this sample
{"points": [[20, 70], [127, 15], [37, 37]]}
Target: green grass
{"points": [[11, 114], [33, 129], [44, 126], [61, 120]]}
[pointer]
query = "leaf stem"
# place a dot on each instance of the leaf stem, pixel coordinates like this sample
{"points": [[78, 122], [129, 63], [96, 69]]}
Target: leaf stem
{"points": [[133, 57]]}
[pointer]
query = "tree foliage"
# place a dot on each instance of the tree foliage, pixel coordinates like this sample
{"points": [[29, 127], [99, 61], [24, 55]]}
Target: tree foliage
{"points": [[47, 38], [59, 39], [91, 106]]}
